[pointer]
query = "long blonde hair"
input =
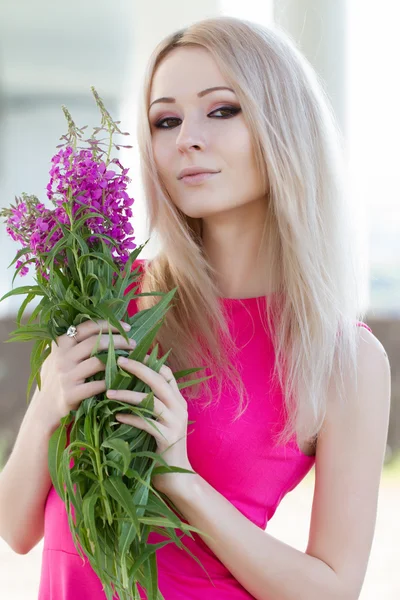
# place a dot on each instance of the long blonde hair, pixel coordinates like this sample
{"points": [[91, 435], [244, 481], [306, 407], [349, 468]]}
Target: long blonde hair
{"points": [[299, 153]]}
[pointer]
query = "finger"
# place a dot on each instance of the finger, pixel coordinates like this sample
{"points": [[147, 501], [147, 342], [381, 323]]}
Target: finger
{"points": [[154, 428], [154, 380], [135, 398], [87, 390], [168, 375], [89, 367], [86, 330], [84, 349]]}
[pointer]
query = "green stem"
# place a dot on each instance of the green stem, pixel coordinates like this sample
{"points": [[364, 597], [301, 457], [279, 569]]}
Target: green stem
{"points": [[103, 492], [67, 209], [78, 269], [100, 475], [110, 144]]}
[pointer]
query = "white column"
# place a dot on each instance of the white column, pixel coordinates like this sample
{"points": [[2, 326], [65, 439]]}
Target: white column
{"points": [[320, 30], [152, 21]]}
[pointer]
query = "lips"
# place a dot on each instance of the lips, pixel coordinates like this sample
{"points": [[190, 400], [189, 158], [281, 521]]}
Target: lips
{"points": [[198, 178], [195, 171]]}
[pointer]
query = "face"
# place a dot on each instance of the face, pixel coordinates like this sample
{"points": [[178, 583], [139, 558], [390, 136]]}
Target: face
{"points": [[207, 131]]}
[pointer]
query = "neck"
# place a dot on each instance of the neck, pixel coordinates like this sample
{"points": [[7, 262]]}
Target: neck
{"points": [[231, 243]]}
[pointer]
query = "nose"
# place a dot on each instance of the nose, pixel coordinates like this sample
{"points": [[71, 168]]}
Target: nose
{"points": [[190, 136]]}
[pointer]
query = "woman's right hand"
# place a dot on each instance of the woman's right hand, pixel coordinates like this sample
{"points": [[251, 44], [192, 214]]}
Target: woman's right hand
{"points": [[68, 365]]}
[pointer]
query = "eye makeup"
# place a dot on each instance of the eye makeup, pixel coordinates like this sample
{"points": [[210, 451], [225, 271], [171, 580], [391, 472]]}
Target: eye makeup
{"points": [[231, 110]]}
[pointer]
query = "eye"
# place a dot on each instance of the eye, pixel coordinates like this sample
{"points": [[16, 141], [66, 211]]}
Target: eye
{"points": [[231, 110]]}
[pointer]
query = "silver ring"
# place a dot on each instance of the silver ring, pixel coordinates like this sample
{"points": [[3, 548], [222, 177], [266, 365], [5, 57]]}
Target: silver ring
{"points": [[72, 331]]}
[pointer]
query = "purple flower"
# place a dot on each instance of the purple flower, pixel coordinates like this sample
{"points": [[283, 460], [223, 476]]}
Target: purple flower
{"points": [[85, 186]]}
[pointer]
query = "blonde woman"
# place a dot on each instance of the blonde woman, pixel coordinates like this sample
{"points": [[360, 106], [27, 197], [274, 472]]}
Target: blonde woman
{"points": [[260, 248]]}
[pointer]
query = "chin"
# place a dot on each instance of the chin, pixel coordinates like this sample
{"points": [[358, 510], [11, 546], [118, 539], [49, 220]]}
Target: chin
{"points": [[200, 213], [200, 209]]}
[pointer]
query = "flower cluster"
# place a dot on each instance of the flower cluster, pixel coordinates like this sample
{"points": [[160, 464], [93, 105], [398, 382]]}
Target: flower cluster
{"points": [[88, 182], [84, 185], [28, 222]]}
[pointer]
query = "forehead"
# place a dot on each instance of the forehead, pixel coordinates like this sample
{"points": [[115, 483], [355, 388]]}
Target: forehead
{"points": [[187, 71]]}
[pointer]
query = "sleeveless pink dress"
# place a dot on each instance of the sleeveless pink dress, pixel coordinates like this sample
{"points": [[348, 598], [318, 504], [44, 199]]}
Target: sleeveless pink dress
{"points": [[239, 460]]}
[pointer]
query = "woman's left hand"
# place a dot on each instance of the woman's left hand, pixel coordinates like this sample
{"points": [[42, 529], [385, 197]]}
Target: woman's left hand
{"points": [[170, 409]]}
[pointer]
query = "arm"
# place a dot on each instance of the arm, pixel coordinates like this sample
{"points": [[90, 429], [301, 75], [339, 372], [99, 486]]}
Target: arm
{"points": [[25, 482], [349, 461]]}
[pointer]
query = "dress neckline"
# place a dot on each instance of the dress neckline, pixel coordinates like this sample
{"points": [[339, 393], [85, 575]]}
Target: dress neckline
{"points": [[250, 300]]}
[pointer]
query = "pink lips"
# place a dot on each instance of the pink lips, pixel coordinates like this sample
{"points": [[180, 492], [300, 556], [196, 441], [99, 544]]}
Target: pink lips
{"points": [[196, 179]]}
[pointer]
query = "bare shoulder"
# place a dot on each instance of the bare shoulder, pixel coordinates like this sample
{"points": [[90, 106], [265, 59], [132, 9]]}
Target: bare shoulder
{"points": [[372, 396], [348, 466], [375, 347]]}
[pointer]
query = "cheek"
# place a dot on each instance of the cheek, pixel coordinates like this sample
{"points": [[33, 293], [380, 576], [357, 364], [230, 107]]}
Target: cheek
{"points": [[162, 156], [236, 147], [246, 161]]}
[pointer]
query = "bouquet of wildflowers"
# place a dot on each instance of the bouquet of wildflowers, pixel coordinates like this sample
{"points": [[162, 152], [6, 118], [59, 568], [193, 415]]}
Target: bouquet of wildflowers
{"points": [[81, 250]]}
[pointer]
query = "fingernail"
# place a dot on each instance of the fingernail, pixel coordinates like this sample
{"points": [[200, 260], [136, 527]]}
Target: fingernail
{"points": [[132, 343], [126, 326], [122, 360], [111, 393]]}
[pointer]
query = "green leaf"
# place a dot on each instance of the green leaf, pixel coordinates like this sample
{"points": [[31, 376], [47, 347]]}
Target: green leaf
{"points": [[92, 215], [152, 455], [40, 352], [184, 384], [71, 265], [30, 331], [58, 284], [115, 487], [128, 534], [117, 466], [101, 257], [89, 428], [170, 469], [81, 242], [150, 550], [38, 308], [71, 299], [133, 474], [122, 448], [141, 495], [26, 289], [88, 511], [67, 479], [179, 374], [124, 282], [57, 445], [23, 306], [144, 342], [162, 360], [111, 366], [160, 521], [150, 566], [26, 250], [22, 265], [113, 319], [97, 295], [152, 316], [49, 257]]}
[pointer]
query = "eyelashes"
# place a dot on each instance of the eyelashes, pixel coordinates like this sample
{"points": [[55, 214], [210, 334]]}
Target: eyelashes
{"points": [[230, 109]]}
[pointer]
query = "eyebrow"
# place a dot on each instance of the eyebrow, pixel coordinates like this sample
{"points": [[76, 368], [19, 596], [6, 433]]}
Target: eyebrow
{"points": [[199, 95]]}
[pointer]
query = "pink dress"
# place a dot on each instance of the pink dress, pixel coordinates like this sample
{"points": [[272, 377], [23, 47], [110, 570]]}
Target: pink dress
{"points": [[239, 460]]}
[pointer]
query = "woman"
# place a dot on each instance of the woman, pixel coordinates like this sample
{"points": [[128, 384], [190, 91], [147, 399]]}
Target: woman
{"points": [[261, 252]]}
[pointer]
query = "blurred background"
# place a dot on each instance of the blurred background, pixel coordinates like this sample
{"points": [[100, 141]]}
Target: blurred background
{"points": [[52, 52]]}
